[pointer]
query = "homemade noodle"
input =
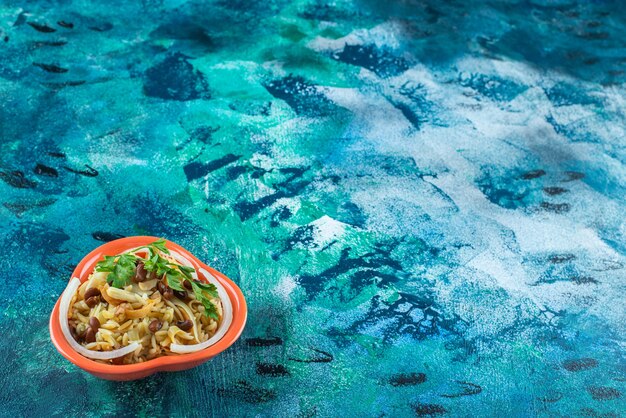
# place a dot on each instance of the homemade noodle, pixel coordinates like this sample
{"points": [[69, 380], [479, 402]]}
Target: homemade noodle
{"points": [[146, 313]]}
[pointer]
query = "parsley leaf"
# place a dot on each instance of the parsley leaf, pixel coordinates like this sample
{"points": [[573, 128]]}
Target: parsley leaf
{"points": [[174, 280], [186, 271], [200, 290], [122, 272], [151, 263], [210, 310], [160, 245], [209, 288], [108, 264]]}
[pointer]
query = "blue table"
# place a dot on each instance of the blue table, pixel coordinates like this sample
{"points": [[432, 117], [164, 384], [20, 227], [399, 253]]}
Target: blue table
{"points": [[423, 202]]}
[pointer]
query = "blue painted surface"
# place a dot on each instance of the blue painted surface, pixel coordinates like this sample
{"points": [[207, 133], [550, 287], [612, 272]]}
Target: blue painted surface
{"points": [[423, 202]]}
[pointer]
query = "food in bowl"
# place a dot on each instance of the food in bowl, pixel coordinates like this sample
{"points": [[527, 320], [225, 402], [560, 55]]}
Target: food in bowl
{"points": [[142, 304]]}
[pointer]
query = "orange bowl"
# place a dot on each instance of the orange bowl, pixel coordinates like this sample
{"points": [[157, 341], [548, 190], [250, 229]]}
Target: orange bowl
{"points": [[160, 364]]}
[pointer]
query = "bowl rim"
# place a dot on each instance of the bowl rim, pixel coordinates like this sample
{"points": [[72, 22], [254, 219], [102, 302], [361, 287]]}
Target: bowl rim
{"points": [[85, 267]]}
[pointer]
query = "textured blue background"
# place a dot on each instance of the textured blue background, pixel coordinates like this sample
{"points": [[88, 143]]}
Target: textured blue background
{"points": [[422, 201]]}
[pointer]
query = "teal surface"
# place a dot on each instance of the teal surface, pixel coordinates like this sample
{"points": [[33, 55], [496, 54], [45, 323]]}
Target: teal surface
{"points": [[423, 202]]}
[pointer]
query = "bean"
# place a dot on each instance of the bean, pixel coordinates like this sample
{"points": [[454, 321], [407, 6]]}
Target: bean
{"points": [[94, 323], [140, 273], [92, 301], [155, 325], [75, 334], [118, 360], [185, 325], [161, 287], [165, 290], [90, 336], [181, 294], [93, 291]]}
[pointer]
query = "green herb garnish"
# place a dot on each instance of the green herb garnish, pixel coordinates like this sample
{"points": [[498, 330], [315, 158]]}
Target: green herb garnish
{"points": [[159, 245], [201, 290], [122, 269]]}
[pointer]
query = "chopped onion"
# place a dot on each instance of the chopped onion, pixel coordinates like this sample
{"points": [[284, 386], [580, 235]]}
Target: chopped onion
{"points": [[64, 308], [147, 285], [227, 319], [121, 294]]}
